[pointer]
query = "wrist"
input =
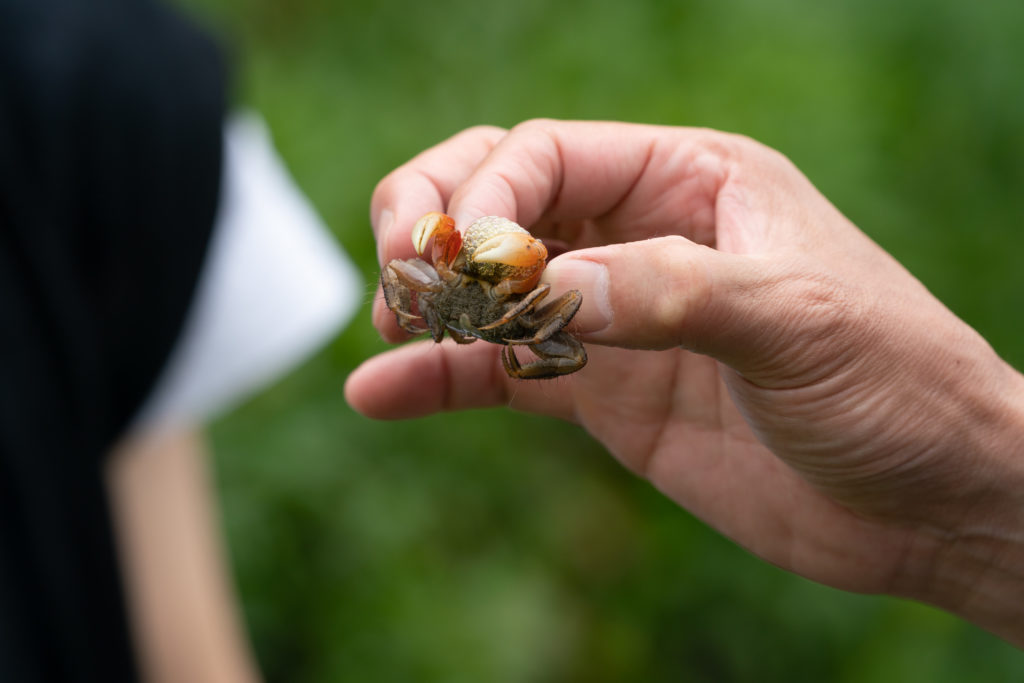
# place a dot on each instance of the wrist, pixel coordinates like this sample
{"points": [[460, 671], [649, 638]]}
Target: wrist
{"points": [[975, 568]]}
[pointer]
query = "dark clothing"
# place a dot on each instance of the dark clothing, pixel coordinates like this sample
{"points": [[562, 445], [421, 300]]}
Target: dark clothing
{"points": [[111, 114]]}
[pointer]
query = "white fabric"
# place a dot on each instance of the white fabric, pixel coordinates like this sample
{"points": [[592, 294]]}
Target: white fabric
{"points": [[274, 288]]}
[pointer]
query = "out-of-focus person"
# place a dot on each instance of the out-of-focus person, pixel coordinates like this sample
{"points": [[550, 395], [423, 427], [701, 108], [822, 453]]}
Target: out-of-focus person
{"points": [[157, 265]]}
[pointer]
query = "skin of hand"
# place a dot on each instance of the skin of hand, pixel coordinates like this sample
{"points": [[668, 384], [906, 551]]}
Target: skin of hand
{"points": [[752, 353]]}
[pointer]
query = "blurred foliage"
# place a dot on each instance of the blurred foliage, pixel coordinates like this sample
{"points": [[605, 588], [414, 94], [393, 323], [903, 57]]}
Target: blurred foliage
{"points": [[494, 546]]}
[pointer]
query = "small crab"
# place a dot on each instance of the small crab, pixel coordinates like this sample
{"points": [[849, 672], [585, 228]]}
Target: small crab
{"points": [[484, 286]]}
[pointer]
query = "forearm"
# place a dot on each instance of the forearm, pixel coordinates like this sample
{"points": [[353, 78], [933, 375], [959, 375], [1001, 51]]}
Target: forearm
{"points": [[182, 604], [976, 569]]}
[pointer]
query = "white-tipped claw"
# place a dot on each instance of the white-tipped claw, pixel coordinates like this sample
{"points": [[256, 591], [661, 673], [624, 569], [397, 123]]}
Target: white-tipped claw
{"points": [[513, 249], [429, 226]]}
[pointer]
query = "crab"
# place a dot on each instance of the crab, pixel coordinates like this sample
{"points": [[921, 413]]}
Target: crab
{"points": [[484, 286]]}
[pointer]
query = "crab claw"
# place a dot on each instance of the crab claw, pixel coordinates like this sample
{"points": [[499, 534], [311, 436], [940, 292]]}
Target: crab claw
{"points": [[441, 228], [431, 224], [503, 254], [516, 249]]}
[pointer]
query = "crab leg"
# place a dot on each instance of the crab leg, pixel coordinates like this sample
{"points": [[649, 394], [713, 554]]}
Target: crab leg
{"points": [[560, 355], [415, 274], [552, 318], [399, 280], [434, 323], [459, 337], [527, 303]]}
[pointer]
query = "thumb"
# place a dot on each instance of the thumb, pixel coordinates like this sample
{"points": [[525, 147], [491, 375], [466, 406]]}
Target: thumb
{"points": [[669, 292]]}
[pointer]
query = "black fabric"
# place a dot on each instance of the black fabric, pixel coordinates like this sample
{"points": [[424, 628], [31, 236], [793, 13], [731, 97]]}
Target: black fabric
{"points": [[110, 150]]}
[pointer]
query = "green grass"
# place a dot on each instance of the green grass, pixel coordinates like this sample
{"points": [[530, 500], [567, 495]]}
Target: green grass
{"points": [[493, 546]]}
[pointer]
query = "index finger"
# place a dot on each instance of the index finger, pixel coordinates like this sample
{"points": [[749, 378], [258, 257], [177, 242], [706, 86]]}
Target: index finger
{"points": [[425, 184], [619, 181]]}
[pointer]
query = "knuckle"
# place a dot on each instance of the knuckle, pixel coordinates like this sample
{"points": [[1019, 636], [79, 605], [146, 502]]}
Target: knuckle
{"points": [[483, 132], [820, 309], [467, 140], [379, 196], [534, 126], [385, 190], [756, 156]]}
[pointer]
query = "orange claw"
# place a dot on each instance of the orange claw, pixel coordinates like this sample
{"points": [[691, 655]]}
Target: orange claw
{"points": [[441, 228], [502, 253], [518, 249]]}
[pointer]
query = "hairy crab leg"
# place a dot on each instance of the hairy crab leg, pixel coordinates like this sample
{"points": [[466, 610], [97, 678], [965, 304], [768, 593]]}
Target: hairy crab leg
{"points": [[527, 303], [552, 318], [434, 323], [399, 280], [415, 274], [398, 297], [560, 355], [459, 337], [464, 328]]}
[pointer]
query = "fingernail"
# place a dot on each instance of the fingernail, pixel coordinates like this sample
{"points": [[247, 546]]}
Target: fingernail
{"points": [[385, 219], [591, 278]]}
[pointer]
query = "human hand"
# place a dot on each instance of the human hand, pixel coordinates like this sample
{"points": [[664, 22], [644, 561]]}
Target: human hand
{"points": [[752, 353]]}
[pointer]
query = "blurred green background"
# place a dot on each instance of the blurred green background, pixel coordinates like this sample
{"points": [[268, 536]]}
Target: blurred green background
{"points": [[493, 546]]}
